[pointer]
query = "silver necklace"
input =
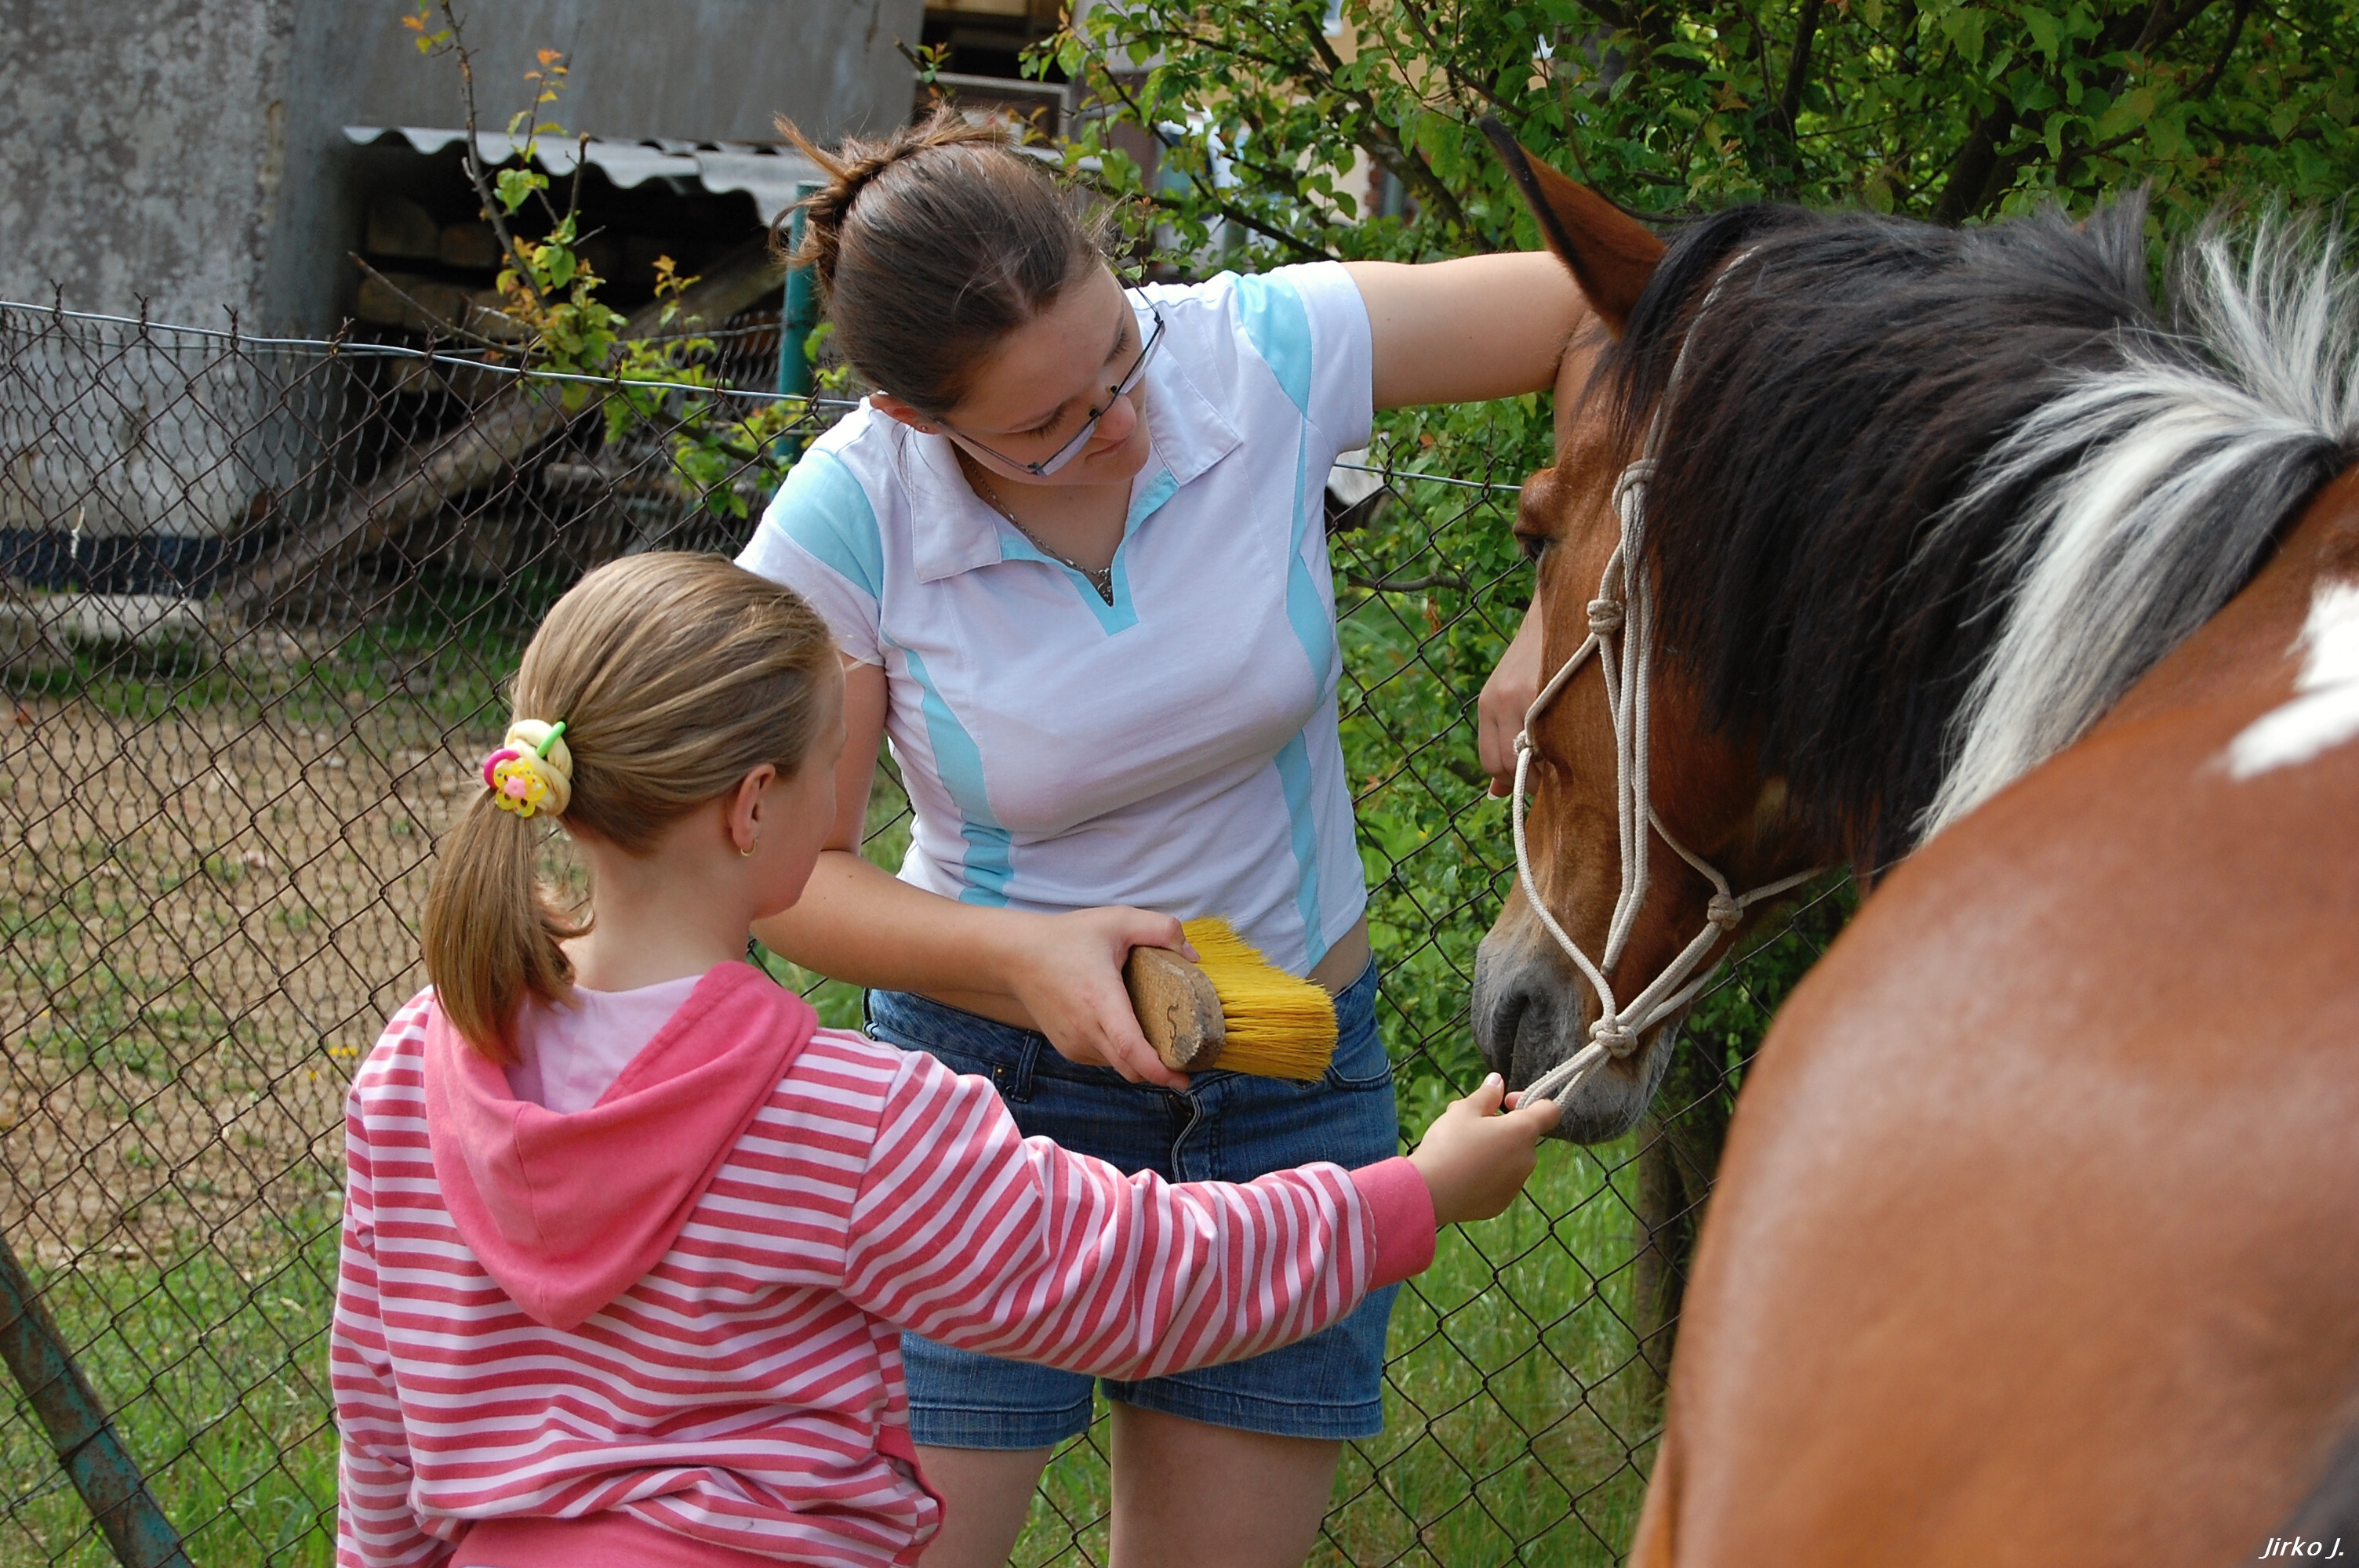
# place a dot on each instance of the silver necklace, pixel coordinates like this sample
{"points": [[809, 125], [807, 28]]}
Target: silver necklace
{"points": [[1100, 578]]}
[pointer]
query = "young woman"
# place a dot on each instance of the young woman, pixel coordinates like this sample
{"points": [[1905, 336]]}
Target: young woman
{"points": [[626, 1238], [1072, 549]]}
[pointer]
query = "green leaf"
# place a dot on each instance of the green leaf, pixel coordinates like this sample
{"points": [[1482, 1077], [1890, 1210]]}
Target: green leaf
{"points": [[515, 186], [2046, 32], [2132, 108], [1964, 27]]}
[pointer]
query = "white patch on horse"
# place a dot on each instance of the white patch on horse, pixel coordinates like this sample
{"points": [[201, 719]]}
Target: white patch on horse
{"points": [[2189, 454], [2324, 711]]}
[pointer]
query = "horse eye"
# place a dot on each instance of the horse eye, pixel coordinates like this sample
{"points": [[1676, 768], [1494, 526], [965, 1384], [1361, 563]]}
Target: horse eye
{"points": [[1532, 544]]}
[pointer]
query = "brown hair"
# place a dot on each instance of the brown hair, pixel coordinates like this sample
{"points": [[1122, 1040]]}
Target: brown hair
{"points": [[932, 246], [675, 676]]}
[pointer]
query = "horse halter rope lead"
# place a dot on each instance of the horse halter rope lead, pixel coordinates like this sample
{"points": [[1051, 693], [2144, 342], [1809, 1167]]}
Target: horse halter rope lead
{"points": [[1625, 604]]}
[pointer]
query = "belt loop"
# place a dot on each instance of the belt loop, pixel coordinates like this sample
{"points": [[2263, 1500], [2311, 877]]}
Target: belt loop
{"points": [[1027, 1057]]}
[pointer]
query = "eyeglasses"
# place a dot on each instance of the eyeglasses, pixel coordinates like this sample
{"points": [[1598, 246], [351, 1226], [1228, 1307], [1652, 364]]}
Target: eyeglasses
{"points": [[1071, 449]]}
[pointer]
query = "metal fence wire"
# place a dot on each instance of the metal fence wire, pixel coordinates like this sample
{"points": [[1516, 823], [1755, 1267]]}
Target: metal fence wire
{"points": [[257, 602]]}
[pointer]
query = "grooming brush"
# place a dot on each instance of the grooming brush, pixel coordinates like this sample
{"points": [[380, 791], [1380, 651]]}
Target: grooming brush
{"points": [[1233, 1008]]}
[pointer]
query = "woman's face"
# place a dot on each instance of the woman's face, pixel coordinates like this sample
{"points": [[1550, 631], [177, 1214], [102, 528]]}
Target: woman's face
{"points": [[1027, 399]]}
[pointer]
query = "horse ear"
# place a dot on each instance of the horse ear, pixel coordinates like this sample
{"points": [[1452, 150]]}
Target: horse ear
{"points": [[1611, 254]]}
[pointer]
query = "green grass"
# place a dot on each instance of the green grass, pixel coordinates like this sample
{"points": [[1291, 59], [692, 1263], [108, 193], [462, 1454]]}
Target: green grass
{"points": [[104, 1008], [215, 1369]]}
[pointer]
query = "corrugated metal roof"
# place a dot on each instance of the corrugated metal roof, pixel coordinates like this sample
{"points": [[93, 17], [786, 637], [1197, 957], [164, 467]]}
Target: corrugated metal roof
{"points": [[769, 175]]}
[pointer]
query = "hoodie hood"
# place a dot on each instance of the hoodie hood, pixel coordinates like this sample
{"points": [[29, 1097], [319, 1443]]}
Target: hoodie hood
{"points": [[567, 1212]]}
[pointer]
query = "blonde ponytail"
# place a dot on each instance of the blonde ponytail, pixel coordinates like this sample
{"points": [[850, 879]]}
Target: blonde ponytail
{"points": [[491, 934], [673, 675]]}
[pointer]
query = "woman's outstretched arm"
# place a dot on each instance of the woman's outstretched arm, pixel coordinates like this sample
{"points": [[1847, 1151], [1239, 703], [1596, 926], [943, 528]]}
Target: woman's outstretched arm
{"points": [[1470, 329]]}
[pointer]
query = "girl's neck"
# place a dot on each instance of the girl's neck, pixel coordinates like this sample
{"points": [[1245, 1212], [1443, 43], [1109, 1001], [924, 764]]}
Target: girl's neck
{"points": [[649, 927]]}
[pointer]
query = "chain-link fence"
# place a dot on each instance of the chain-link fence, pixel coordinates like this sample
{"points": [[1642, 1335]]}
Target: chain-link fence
{"points": [[257, 601]]}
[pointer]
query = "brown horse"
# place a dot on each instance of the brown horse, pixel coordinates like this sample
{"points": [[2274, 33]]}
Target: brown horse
{"points": [[2036, 1238]]}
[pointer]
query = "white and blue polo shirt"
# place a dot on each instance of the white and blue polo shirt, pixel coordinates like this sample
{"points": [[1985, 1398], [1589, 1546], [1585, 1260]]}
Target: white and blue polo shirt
{"points": [[1177, 749]]}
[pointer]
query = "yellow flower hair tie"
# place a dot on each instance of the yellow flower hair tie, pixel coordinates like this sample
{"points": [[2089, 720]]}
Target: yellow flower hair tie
{"points": [[532, 772]]}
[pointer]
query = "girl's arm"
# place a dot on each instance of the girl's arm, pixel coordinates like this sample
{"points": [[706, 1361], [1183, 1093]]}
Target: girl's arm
{"points": [[1061, 974], [375, 1526], [974, 1236], [1470, 329]]}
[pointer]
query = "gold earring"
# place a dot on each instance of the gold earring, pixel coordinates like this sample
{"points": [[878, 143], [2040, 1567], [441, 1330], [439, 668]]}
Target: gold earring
{"points": [[747, 853]]}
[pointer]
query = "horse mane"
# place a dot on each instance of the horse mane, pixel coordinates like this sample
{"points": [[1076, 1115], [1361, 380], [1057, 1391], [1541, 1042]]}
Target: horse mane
{"points": [[1928, 501]]}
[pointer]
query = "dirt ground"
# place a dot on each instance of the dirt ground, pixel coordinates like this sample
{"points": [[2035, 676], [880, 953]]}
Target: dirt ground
{"points": [[204, 920]]}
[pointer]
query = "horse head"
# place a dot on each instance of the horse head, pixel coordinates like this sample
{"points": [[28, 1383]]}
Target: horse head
{"points": [[1606, 870], [1853, 521]]}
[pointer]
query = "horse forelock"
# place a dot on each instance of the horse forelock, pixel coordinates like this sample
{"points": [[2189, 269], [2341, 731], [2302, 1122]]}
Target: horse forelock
{"points": [[1930, 499]]}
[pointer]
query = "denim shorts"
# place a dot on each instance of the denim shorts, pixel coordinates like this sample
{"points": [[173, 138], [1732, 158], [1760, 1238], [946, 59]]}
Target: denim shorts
{"points": [[1228, 1127]]}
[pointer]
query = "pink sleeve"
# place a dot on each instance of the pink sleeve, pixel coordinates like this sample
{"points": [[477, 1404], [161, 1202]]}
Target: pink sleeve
{"points": [[972, 1235], [375, 1525], [1402, 1206]]}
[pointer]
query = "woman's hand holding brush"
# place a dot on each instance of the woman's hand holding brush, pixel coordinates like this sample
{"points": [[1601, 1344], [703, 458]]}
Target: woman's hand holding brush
{"points": [[1066, 971], [1475, 1158]]}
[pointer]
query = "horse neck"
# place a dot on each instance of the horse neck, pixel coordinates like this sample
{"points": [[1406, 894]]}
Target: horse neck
{"points": [[2251, 650]]}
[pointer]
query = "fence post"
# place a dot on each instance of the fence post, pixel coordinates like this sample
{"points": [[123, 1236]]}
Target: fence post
{"points": [[102, 1469], [798, 313]]}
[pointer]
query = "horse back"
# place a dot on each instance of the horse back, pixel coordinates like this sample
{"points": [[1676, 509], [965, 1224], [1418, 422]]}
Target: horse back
{"points": [[2036, 1238]]}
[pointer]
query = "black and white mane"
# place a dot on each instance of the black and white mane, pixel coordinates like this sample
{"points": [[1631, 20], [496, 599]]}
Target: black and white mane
{"points": [[1929, 500]]}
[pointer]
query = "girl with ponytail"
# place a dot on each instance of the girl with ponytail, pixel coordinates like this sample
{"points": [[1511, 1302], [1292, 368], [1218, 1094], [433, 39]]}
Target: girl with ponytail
{"points": [[1071, 545], [628, 1238]]}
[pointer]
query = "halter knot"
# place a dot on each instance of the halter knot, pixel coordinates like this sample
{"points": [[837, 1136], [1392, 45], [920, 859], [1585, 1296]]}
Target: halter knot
{"points": [[1618, 1038], [1606, 616], [1724, 912]]}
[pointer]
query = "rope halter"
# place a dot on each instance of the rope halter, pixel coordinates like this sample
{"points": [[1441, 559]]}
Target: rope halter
{"points": [[1621, 639]]}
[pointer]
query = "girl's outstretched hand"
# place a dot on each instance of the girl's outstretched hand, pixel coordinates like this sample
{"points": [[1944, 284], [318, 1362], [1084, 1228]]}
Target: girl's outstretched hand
{"points": [[1067, 971], [1474, 1158]]}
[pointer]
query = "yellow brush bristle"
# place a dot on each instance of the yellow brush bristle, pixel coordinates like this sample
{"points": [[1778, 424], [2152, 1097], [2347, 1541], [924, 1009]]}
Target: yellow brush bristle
{"points": [[1279, 1025]]}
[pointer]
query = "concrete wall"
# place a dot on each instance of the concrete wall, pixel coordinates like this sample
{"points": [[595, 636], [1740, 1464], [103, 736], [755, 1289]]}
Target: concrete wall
{"points": [[193, 152], [143, 151]]}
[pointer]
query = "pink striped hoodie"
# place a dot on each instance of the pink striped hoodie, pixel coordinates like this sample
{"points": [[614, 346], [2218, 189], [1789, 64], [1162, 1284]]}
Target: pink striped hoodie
{"points": [[665, 1330]]}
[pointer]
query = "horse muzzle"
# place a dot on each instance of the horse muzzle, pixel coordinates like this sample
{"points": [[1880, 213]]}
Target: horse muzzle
{"points": [[1532, 1012]]}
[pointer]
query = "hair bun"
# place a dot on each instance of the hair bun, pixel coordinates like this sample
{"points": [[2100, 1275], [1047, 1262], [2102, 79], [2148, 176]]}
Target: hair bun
{"points": [[854, 166]]}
